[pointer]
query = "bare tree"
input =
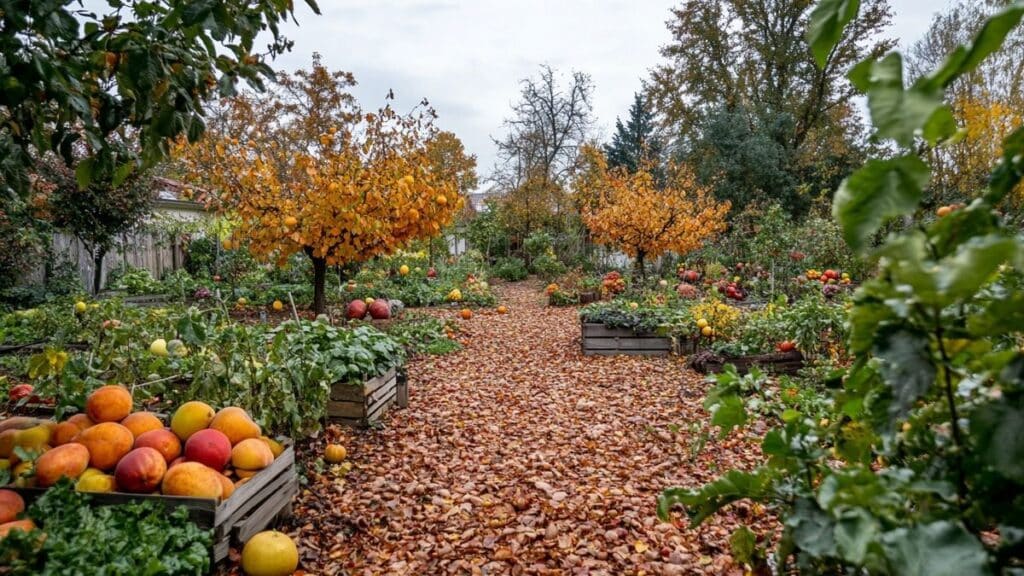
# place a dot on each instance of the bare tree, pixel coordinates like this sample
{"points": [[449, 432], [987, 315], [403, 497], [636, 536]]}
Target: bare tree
{"points": [[549, 123], [540, 149]]}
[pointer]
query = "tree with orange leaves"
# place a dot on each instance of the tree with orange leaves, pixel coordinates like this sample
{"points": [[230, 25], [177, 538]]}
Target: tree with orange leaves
{"points": [[633, 213], [303, 169]]}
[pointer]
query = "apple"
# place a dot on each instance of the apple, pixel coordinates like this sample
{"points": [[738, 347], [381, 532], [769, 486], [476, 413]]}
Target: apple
{"points": [[20, 391], [159, 347]]}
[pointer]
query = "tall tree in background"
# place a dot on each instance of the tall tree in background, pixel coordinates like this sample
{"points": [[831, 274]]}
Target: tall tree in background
{"points": [[632, 212], [97, 214], [636, 142], [743, 67], [987, 102], [304, 169], [540, 150]]}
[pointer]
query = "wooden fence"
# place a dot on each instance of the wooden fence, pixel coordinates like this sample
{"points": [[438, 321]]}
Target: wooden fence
{"points": [[153, 251]]}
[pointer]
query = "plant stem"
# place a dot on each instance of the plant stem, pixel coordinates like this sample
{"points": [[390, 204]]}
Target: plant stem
{"points": [[961, 487]]}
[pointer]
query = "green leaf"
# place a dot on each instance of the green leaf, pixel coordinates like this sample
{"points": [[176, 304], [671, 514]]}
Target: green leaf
{"points": [[811, 528], [1000, 316], [121, 173], [733, 486], [84, 171], [998, 430], [728, 413], [941, 548], [854, 533], [743, 545], [897, 112], [974, 265], [906, 367], [828, 20], [882, 189]]}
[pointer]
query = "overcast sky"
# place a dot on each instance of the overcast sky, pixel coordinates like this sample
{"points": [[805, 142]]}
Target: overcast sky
{"points": [[467, 56]]}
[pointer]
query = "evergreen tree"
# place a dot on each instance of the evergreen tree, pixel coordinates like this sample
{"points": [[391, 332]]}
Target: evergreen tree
{"points": [[636, 142]]}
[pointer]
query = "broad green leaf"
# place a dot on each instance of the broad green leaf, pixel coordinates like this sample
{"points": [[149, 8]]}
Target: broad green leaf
{"points": [[728, 413], [828, 20], [811, 528], [998, 430], [906, 367], [941, 548], [882, 189], [973, 266], [84, 171], [1000, 316], [897, 112], [855, 530], [733, 486]]}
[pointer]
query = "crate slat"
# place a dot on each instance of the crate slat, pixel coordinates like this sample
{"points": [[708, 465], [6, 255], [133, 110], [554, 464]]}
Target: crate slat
{"points": [[628, 344], [362, 406], [602, 331], [250, 494], [356, 393], [625, 353], [267, 511]]}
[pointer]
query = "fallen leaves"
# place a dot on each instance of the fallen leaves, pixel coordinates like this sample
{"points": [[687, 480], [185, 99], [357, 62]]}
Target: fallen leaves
{"points": [[518, 455]]}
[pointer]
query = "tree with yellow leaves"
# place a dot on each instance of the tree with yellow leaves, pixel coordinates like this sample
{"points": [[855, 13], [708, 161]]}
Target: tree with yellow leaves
{"points": [[303, 169], [961, 169], [633, 213]]}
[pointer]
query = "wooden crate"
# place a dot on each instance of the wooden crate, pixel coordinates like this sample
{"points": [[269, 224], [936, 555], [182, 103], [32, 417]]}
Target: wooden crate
{"points": [[708, 362], [250, 509], [600, 340], [362, 405]]}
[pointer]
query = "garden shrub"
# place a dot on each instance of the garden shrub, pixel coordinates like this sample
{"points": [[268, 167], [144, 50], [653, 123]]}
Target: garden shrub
{"points": [[512, 269]]}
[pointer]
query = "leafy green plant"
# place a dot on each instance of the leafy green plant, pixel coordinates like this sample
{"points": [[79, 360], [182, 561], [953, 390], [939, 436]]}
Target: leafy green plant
{"points": [[133, 280], [421, 334], [119, 540], [548, 266], [621, 313], [511, 269], [918, 471]]}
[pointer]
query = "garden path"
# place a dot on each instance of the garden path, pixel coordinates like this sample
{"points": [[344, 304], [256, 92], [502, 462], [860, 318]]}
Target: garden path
{"points": [[518, 455]]}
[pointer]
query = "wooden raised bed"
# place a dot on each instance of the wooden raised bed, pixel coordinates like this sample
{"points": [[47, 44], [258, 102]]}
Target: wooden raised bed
{"points": [[599, 340], [708, 362], [362, 405], [250, 509]]}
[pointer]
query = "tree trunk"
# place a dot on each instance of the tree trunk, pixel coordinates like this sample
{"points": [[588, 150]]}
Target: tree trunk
{"points": [[640, 266], [97, 270], [319, 283]]}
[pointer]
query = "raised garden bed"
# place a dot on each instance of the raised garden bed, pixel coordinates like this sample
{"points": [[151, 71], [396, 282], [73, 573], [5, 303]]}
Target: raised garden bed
{"points": [[599, 340], [708, 362], [363, 405], [250, 509]]}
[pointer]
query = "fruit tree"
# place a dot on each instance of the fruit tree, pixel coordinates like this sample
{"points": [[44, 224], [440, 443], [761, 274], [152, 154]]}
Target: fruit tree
{"points": [[304, 169], [632, 212]]}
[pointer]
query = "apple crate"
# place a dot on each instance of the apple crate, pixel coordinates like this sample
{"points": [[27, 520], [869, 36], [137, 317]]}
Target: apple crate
{"points": [[250, 509], [600, 340], [363, 404]]}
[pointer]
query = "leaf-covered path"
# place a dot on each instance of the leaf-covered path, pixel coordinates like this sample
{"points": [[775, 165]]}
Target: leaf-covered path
{"points": [[518, 455]]}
